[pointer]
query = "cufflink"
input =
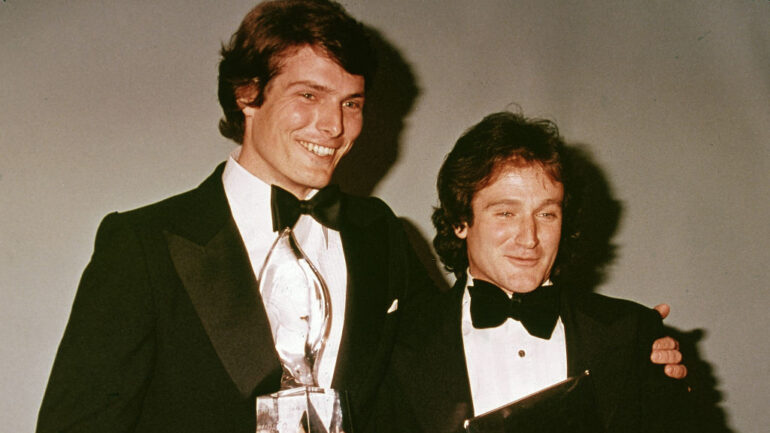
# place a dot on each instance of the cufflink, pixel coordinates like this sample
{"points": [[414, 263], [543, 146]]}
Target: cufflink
{"points": [[393, 306]]}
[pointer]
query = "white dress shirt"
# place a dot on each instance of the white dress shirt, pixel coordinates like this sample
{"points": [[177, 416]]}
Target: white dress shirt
{"points": [[249, 200], [506, 363]]}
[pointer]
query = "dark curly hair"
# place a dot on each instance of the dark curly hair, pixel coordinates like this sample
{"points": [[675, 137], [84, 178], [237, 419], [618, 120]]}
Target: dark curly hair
{"points": [[498, 140], [268, 33]]}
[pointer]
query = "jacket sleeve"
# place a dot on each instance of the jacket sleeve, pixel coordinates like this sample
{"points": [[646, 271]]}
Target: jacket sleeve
{"points": [[104, 362]]}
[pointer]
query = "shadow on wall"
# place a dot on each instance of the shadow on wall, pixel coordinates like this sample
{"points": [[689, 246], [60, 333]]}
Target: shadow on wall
{"points": [[388, 101], [708, 415], [590, 220], [586, 251]]}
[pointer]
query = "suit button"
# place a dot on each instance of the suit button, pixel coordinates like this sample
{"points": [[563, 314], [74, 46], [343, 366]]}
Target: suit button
{"points": [[522, 353]]}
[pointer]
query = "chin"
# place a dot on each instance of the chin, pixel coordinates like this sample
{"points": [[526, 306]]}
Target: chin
{"points": [[525, 286], [316, 182], [320, 178], [526, 289], [322, 183]]}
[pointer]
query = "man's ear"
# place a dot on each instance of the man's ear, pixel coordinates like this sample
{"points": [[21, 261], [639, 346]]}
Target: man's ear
{"points": [[461, 231], [245, 97]]}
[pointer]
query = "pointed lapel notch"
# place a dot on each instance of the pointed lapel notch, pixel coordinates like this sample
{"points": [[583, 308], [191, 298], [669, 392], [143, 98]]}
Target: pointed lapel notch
{"points": [[221, 285], [212, 263]]}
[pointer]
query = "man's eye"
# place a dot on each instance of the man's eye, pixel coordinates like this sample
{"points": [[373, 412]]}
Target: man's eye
{"points": [[351, 104], [307, 95], [505, 213]]}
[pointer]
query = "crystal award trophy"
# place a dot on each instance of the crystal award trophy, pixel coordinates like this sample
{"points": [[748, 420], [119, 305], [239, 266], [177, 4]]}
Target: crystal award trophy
{"points": [[298, 306]]}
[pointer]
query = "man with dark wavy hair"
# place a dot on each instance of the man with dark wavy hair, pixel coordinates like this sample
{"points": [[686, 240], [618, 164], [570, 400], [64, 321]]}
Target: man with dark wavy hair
{"points": [[169, 331], [512, 324], [272, 30]]}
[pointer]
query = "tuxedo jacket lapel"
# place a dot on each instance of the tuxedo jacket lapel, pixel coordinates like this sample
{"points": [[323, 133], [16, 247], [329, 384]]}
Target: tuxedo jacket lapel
{"points": [[212, 263], [592, 344]]}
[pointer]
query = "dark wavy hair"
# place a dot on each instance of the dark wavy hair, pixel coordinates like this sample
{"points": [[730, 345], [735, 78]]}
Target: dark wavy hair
{"points": [[498, 140], [268, 33]]}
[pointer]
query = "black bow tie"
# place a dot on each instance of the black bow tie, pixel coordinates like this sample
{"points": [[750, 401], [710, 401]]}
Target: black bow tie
{"points": [[538, 310], [324, 207]]}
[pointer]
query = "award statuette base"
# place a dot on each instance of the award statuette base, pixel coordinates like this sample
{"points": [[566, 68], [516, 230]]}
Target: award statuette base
{"points": [[303, 410]]}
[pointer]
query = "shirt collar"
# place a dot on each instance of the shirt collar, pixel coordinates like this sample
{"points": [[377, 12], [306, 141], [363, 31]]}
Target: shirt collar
{"points": [[249, 197]]}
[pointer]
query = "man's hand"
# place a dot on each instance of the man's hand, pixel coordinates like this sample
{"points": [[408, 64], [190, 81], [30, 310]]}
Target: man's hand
{"points": [[666, 350]]}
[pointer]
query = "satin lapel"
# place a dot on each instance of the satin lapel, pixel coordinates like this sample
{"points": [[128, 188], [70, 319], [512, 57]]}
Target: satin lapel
{"points": [[214, 268], [369, 295], [593, 344]]}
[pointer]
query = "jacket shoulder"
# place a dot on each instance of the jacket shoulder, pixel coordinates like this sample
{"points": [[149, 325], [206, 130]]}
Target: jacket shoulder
{"points": [[365, 210], [609, 309], [193, 213]]}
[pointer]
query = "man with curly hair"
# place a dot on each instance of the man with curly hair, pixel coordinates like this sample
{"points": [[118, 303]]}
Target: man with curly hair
{"points": [[515, 322]]}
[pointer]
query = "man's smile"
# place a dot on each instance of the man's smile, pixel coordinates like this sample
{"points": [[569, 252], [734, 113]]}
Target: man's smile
{"points": [[317, 148], [523, 261]]}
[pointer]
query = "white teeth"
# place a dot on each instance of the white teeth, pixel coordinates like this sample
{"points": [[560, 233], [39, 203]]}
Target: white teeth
{"points": [[317, 149]]}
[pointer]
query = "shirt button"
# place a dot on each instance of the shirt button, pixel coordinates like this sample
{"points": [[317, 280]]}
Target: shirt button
{"points": [[522, 353]]}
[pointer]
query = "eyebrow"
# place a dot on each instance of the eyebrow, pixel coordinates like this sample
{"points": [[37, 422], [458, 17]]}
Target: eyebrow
{"points": [[551, 201], [505, 201], [321, 88], [515, 202]]}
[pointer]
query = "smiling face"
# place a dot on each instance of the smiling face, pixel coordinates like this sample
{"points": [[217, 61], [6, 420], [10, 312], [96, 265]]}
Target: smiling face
{"points": [[311, 115], [514, 237]]}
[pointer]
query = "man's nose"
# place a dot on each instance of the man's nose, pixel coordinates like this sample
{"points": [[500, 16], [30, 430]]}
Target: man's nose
{"points": [[330, 120], [526, 232]]}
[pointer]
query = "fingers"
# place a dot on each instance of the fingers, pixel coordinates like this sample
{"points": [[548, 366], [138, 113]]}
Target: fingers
{"points": [[668, 357], [663, 310], [665, 343], [677, 371], [666, 350]]}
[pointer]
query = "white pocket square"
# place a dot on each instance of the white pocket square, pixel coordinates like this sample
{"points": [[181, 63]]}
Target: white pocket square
{"points": [[393, 306]]}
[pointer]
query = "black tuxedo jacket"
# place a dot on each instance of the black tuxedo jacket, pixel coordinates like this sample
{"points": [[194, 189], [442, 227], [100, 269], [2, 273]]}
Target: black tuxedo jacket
{"points": [[428, 390], [168, 331]]}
